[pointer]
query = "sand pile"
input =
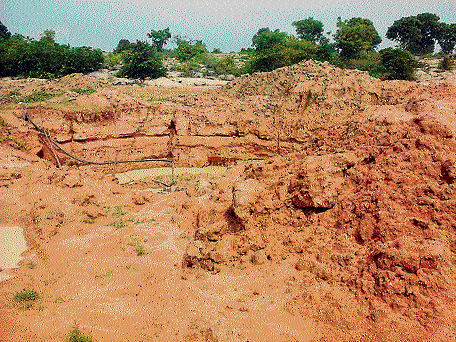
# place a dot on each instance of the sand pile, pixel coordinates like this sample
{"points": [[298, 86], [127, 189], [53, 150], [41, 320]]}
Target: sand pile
{"points": [[348, 179], [367, 209]]}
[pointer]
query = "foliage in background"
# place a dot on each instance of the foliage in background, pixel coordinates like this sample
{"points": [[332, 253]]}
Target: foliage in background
{"points": [[159, 38], [142, 61], [309, 29], [275, 49], [123, 45], [447, 37], [416, 34], [45, 58], [4, 33], [356, 36], [398, 64], [188, 49]]}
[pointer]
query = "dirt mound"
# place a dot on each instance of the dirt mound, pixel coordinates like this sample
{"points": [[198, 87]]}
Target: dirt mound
{"points": [[333, 221], [372, 226]]}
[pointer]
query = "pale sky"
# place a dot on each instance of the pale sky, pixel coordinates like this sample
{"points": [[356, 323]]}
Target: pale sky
{"points": [[228, 25]]}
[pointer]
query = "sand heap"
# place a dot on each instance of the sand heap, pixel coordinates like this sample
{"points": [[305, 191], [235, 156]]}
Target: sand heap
{"points": [[349, 179], [368, 209]]}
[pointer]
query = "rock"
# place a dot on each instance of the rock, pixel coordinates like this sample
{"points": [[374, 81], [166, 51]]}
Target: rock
{"points": [[302, 199], [72, 180], [246, 198], [139, 199], [366, 228], [260, 257], [193, 254], [305, 263]]}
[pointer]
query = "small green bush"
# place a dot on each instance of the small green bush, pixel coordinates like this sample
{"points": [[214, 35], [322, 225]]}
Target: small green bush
{"points": [[77, 336], [26, 296], [187, 50], [81, 91], [142, 61], [37, 96], [398, 64]]}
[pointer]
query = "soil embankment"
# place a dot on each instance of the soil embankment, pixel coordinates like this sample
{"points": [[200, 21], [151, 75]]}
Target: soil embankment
{"points": [[334, 219]]}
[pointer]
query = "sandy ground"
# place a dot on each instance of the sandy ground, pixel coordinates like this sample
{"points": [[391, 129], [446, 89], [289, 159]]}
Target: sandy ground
{"points": [[308, 204]]}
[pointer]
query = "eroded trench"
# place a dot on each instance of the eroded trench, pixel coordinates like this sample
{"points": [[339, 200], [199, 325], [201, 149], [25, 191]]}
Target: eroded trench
{"points": [[121, 142]]}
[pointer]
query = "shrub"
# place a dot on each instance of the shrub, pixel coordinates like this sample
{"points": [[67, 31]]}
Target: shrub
{"points": [[288, 53], [142, 61], [187, 50], [77, 336], [398, 64], [25, 299], [27, 296], [45, 58]]}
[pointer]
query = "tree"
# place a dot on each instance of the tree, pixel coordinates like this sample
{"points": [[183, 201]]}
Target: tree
{"points": [[447, 37], [266, 39], [356, 36], [398, 64], [309, 29], [142, 61], [280, 51], [189, 49], [159, 38], [417, 34], [82, 59], [123, 45], [4, 33], [44, 57]]}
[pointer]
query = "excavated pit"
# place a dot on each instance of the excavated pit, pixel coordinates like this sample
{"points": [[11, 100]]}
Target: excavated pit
{"points": [[310, 203]]}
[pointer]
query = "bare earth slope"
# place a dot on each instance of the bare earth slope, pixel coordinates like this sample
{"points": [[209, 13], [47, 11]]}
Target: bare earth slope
{"points": [[334, 220]]}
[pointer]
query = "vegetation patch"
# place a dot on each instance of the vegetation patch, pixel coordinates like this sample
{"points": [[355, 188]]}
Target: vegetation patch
{"points": [[81, 91], [6, 137], [38, 96], [77, 336], [26, 298]]}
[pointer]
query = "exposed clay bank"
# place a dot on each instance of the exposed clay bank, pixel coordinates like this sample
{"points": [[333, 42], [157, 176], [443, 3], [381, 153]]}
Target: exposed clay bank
{"points": [[12, 245]]}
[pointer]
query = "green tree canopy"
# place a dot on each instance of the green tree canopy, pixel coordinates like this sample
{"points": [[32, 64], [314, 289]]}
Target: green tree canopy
{"points": [[447, 37], [188, 49], [417, 34], [309, 29], [44, 57], [123, 45], [266, 39], [142, 61], [398, 64], [159, 38], [4, 33], [355, 36]]}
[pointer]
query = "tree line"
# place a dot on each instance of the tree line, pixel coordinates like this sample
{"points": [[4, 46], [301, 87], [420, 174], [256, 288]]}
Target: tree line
{"points": [[353, 45], [25, 56]]}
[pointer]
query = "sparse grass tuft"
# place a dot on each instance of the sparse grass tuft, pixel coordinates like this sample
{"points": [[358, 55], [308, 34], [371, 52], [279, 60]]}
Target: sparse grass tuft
{"points": [[77, 336], [26, 296], [140, 249], [118, 224], [37, 96], [31, 265], [118, 211], [89, 219], [81, 91], [2, 122]]}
